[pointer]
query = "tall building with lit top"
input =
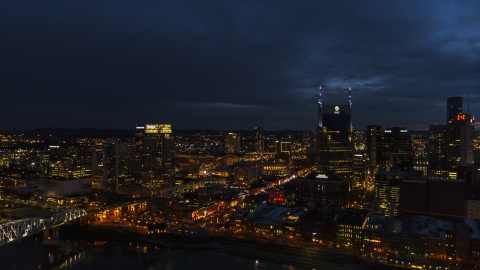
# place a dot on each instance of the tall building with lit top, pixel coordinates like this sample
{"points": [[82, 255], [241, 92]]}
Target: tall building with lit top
{"points": [[158, 153], [334, 160], [454, 107], [232, 143], [334, 139], [459, 150], [395, 149]]}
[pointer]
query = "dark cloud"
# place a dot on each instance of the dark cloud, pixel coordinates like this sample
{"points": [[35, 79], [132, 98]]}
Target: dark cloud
{"points": [[234, 65]]}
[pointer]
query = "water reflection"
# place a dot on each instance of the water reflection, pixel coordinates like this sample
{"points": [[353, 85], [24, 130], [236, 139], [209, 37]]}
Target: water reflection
{"points": [[99, 254]]}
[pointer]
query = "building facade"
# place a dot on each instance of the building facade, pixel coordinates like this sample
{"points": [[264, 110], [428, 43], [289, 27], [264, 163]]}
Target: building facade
{"points": [[232, 143], [334, 140], [395, 149], [158, 153]]}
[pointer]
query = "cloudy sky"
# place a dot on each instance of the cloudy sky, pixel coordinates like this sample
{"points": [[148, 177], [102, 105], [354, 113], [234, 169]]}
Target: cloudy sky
{"points": [[234, 64]]}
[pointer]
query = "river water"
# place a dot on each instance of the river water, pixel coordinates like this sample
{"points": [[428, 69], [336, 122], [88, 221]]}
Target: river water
{"points": [[31, 254], [84, 247]]}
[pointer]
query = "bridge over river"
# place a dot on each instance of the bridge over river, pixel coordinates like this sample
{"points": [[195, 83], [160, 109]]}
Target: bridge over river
{"points": [[20, 228], [27, 221]]}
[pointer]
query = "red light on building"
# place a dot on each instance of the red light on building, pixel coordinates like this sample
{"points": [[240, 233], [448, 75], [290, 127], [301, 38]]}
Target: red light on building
{"points": [[461, 117]]}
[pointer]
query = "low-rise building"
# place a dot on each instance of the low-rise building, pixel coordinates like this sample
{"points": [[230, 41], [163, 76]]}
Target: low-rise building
{"points": [[350, 225]]}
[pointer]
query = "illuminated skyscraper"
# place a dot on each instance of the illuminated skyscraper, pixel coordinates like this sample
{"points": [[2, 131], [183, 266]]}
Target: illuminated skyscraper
{"points": [[334, 140], [395, 148], [451, 146], [111, 162], [437, 143], [69, 161], [373, 137], [232, 143], [459, 150], [436, 152], [158, 153], [335, 147]]}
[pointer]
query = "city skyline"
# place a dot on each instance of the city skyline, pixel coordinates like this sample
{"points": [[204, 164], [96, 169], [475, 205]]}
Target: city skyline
{"points": [[234, 66]]}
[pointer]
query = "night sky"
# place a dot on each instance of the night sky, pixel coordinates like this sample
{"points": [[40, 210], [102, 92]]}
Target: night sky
{"points": [[234, 64]]}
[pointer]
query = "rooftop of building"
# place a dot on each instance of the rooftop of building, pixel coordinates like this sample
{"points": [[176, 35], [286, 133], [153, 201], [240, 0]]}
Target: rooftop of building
{"points": [[246, 164], [224, 169], [272, 214], [427, 226], [353, 216], [22, 189], [385, 224], [474, 230]]}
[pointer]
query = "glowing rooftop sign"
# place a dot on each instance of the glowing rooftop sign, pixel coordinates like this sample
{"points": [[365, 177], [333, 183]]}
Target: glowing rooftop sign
{"points": [[158, 128]]}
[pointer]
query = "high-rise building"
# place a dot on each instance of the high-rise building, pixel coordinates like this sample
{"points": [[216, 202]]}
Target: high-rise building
{"points": [[334, 140], [158, 153], [459, 150], [232, 143], [387, 193], [359, 168], [334, 147], [451, 146], [129, 164], [436, 152], [111, 163], [454, 107], [374, 134], [69, 161], [437, 143], [259, 140], [359, 140], [395, 148], [97, 169]]}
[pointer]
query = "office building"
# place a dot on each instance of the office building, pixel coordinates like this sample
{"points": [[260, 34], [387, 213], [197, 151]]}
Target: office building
{"points": [[454, 107], [387, 192], [69, 161], [111, 164], [373, 136], [436, 151], [359, 169], [351, 224], [232, 143], [459, 150], [395, 148], [439, 198], [97, 169], [158, 153], [259, 140], [332, 181], [319, 191], [334, 140]]}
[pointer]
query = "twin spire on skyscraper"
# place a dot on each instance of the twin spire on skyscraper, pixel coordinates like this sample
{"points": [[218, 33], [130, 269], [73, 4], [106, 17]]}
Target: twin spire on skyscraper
{"points": [[320, 96], [349, 96]]}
